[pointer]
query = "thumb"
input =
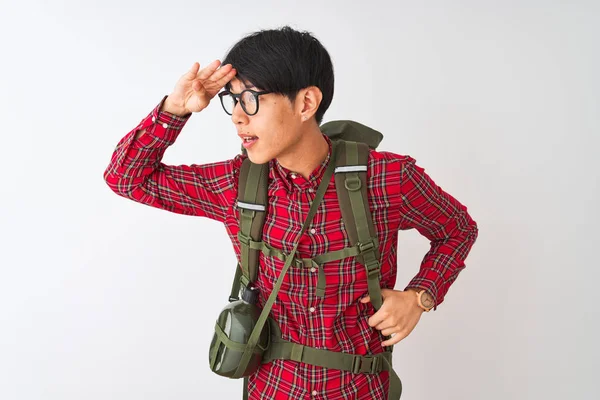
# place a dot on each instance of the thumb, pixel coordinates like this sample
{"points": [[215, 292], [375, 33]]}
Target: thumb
{"points": [[365, 299]]}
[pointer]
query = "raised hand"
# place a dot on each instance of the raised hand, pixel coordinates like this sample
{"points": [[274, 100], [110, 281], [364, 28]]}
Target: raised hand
{"points": [[196, 88]]}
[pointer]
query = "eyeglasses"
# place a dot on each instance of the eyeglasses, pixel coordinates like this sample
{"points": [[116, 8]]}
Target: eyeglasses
{"points": [[248, 99]]}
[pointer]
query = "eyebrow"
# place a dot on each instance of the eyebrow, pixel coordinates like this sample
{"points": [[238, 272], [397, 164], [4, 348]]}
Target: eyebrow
{"points": [[228, 87]]}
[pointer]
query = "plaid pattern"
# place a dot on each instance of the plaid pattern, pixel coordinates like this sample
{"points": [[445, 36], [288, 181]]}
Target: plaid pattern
{"points": [[401, 196]]}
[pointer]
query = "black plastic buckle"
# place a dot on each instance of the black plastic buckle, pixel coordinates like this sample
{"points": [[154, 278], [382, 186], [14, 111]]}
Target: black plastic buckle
{"points": [[365, 365]]}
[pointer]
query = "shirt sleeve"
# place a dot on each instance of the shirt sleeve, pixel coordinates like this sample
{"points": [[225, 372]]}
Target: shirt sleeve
{"points": [[136, 172], [444, 221]]}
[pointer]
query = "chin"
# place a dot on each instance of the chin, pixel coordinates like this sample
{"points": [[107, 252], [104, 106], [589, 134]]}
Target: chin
{"points": [[259, 158]]}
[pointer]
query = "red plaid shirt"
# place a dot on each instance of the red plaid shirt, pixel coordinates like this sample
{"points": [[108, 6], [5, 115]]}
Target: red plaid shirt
{"points": [[401, 196]]}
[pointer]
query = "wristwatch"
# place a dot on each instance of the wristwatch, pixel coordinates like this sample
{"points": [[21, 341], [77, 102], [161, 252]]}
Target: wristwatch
{"points": [[425, 300]]}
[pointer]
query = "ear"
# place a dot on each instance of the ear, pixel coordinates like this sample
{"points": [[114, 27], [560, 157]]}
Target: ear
{"points": [[308, 102]]}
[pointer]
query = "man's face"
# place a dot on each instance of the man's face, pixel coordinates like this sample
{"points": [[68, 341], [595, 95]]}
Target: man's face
{"points": [[276, 127]]}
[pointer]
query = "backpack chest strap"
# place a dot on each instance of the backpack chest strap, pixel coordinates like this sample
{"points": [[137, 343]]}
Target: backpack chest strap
{"points": [[315, 262]]}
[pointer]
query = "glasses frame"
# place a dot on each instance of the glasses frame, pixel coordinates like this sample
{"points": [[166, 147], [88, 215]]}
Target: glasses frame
{"points": [[236, 97]]}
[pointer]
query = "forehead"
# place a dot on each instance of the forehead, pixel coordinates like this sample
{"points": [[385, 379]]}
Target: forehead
{"points": [[236, 85]]}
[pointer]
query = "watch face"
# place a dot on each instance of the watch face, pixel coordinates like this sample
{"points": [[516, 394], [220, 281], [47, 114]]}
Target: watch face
{"points": [[426, 300]]}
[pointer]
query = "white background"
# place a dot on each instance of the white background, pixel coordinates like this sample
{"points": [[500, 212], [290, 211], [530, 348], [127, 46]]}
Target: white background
{"points": [[104, 298]]}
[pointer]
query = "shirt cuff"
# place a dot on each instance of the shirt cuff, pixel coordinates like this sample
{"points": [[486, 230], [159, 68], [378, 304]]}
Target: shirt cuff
{"points": [[161, 126], [418, 283]]}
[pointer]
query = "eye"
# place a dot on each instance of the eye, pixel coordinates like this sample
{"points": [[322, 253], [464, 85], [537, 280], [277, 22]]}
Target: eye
{"points": [[248, 98]]}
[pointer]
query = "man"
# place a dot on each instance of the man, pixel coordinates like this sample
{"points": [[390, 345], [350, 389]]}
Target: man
{"points": [[278, 85]]}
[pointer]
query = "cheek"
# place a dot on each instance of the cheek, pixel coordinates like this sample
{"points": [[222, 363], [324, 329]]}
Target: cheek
{"points": [[277, 122], [278, 114]]}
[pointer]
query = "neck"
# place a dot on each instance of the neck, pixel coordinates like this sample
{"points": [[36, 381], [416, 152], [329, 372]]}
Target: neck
{"points": [[307, 154]]}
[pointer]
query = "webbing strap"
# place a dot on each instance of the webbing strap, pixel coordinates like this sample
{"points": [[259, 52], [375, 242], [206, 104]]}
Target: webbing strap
{"points": [[280, 349], [315, 262], [235, 287], [238, 281], [366, 240], [256, 332], [252, 205], [354, 363], [395, 384], [230, 344], [320, 259]]}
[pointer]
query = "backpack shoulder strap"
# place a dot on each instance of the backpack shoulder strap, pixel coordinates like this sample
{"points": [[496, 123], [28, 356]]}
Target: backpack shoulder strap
{"points": [[252, 205], [351, 186]]}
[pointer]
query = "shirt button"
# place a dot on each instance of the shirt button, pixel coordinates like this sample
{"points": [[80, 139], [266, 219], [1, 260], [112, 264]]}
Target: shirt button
{"points": [[312, 309], [293, 175], [311, 190], [165, 125], [313, 269], [153, 119], [313, 231], [314, 392]]}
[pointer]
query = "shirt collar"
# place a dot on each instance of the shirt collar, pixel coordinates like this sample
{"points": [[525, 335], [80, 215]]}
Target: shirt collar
{"points": [[288, 179]]}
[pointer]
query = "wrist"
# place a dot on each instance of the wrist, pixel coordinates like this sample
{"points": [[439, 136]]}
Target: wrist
{"points": [[423, 300], [171, 108]]}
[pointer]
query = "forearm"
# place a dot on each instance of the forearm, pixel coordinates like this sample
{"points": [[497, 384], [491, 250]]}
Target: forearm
{"points": [[445, 260], [444, 221], [139, 153], [137, 173]]}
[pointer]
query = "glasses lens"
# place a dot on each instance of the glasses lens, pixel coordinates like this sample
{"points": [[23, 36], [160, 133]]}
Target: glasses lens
{"points": [[228, 103], [249, 103]]}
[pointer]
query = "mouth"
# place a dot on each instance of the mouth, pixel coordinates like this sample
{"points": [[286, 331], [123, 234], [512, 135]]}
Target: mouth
{"points": [[248, 140]]}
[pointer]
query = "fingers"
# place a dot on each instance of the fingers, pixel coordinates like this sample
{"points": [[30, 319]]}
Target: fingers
{"points": [[395, 339], [384, 294], [377, 319], [212, 79], [221, 76], [217, 76], [227, 77], [390, 330], [207, 71], [386, 324], [191, 74]]}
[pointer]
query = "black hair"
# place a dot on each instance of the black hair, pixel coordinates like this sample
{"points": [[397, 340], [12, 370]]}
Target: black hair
{"points": [[283, 61]]}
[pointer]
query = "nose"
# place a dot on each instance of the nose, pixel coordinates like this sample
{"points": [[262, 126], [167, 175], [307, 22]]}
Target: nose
{"points": [[238, 116]]}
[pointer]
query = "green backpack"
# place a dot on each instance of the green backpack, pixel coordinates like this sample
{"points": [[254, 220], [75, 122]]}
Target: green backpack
{"points": [[351, 141]]}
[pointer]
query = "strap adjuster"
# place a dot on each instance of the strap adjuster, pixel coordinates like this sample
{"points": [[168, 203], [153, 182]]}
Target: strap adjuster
{"points": [[365, 365], [243, 238], [366, 246], [372, 268]]}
